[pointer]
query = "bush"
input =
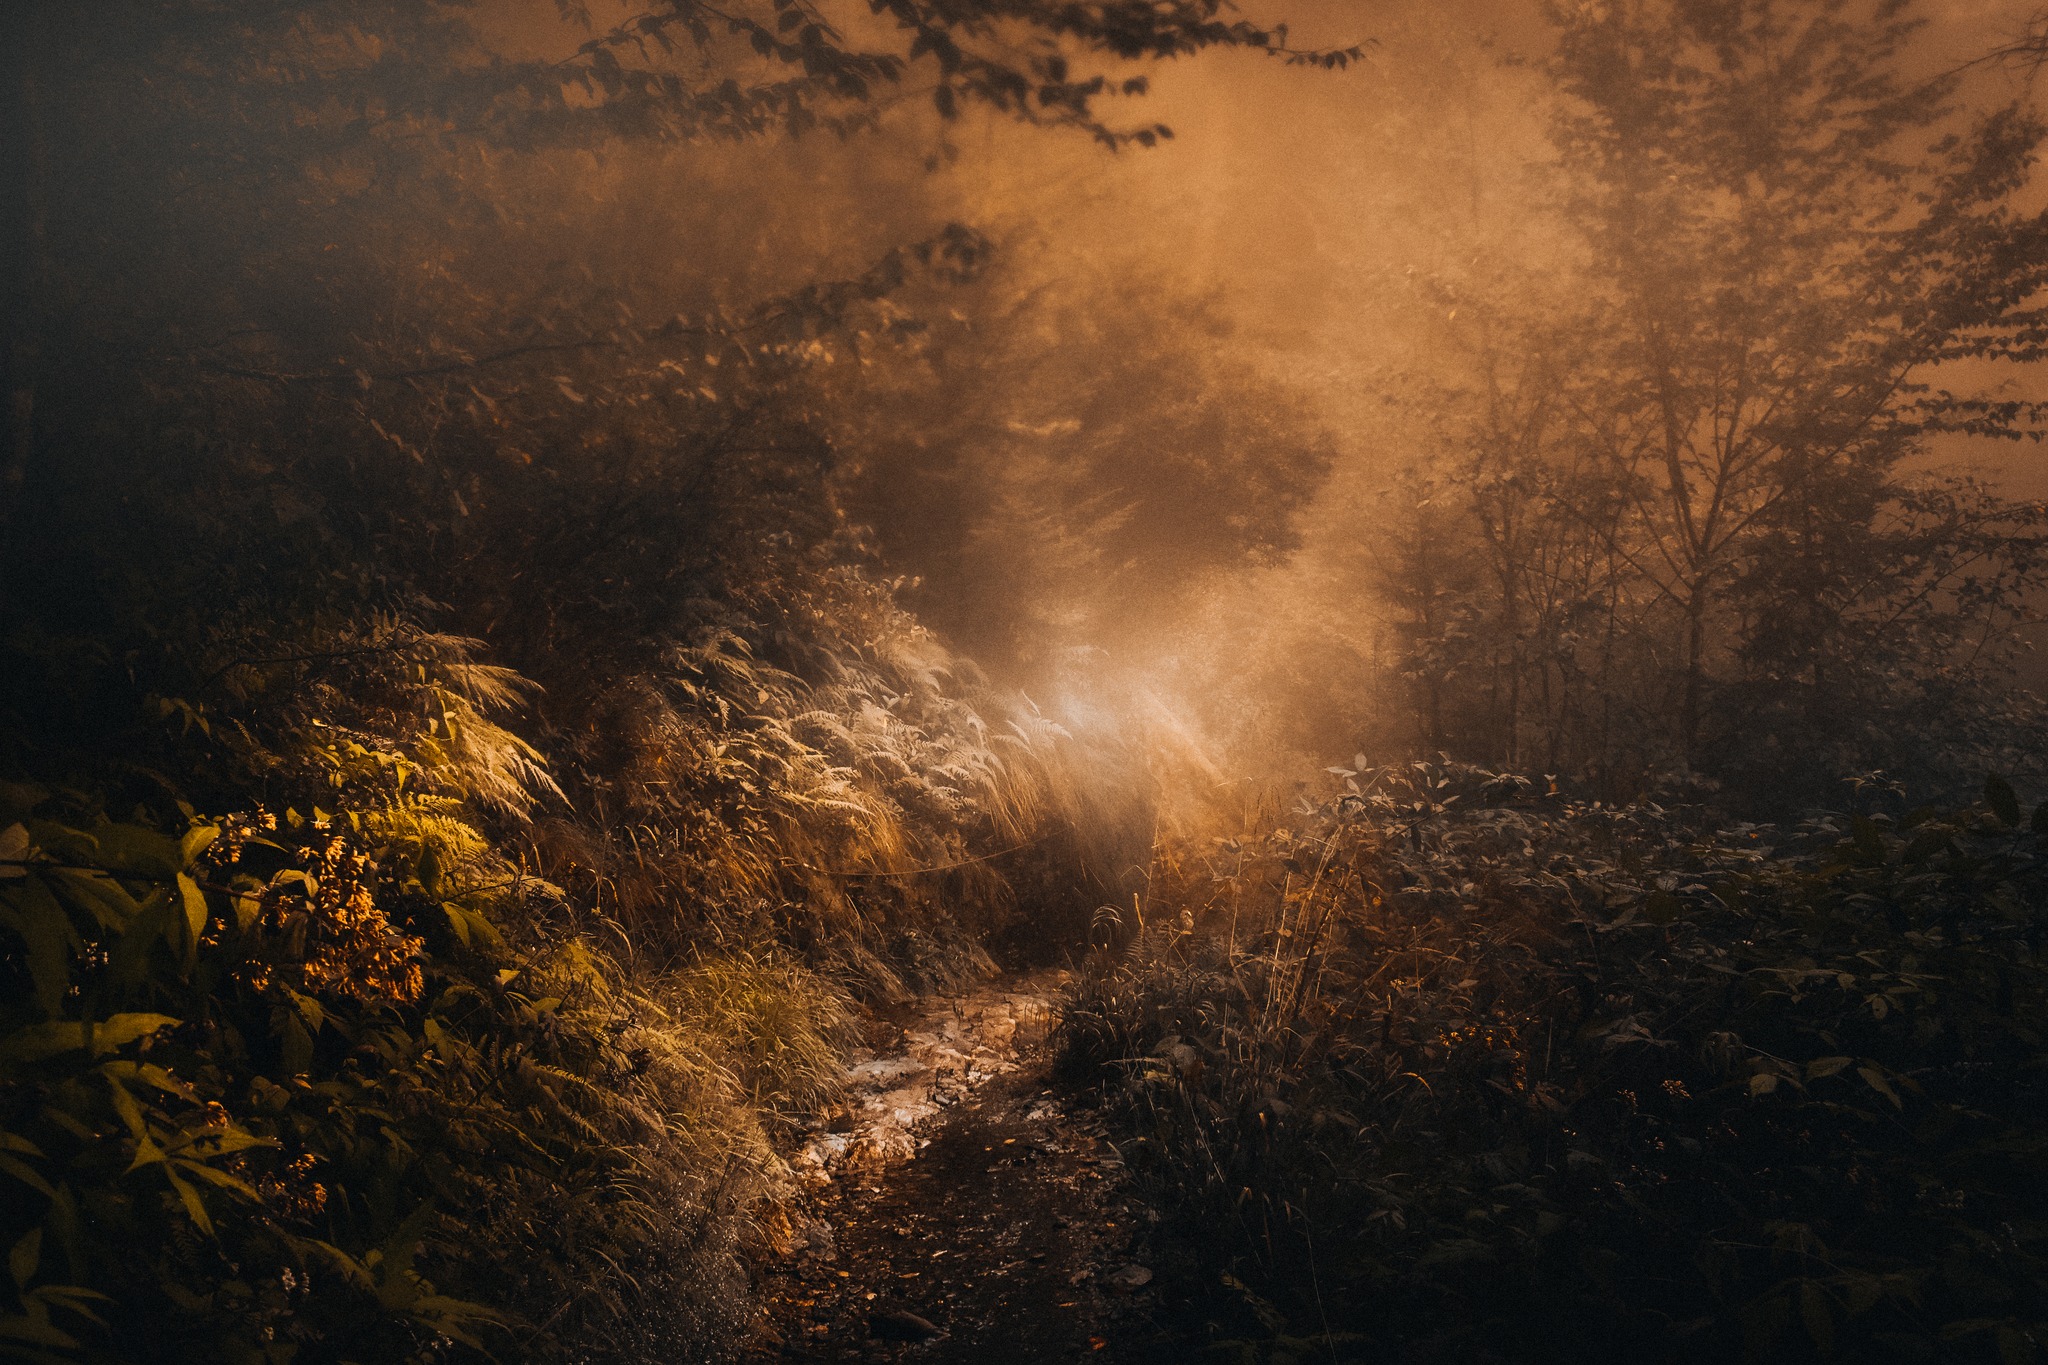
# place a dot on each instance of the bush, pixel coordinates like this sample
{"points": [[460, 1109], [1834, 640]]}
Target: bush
{"points": [[436, 1043], [1457, 1064]]}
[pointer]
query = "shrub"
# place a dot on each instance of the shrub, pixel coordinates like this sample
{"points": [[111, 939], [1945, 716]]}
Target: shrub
{"points": [[1457, 1063]]}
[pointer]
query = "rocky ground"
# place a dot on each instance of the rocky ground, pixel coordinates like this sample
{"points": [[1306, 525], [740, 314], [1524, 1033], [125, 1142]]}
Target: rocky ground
{"points": [[958, 1206]]}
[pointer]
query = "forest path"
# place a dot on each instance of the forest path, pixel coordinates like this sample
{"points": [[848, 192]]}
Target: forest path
{"points": [[958, 1207]]}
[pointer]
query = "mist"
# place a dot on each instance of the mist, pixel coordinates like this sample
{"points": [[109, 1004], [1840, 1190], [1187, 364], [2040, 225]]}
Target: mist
{"points": [[1011, 681]]}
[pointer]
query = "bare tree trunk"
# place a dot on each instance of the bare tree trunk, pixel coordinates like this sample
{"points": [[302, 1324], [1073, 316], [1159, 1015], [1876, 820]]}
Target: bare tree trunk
{"points": [[1695, 674]]}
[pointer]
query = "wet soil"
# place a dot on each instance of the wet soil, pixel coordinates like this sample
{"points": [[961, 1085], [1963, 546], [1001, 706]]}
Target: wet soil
{"points": [[960, 1207]]}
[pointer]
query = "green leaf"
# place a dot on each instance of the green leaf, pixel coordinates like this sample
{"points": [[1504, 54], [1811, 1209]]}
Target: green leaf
{"points": [[35, 1042], [25, 1257], [34, 1326], [1877, 1081], [150, 1075], [130, 962], [195, 914], [298, 1046], [138, 1127], [220, 1179], [1815, 1312], [351, 1270], [144, 852], [196, 841], [14, 849], [397, 1287], [19, 799], [98, 894], [309, 1010], [194, 1206], [27, 1175], [470, 926], [32, 912], [2003, 800]]}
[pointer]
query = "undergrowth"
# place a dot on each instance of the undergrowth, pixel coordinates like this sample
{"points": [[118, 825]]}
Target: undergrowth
{"points": [[354, 1006], [1453, 1067]]}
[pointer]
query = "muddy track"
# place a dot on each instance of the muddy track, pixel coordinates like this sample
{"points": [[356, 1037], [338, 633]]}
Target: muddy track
{"points": [[959, 1207]]}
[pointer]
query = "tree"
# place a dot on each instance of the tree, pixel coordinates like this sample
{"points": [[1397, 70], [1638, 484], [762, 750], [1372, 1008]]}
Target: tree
{"points": [[1080, 494], [179, 172], [1693, 489]]}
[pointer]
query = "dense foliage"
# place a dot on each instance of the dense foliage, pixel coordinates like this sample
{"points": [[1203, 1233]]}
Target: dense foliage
{"points": [[337, 1075], [1451, 1066]]}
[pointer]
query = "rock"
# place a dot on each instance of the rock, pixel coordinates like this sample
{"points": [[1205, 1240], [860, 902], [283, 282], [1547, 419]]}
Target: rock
{"points": [[900, 1324], [1130, 1279]]}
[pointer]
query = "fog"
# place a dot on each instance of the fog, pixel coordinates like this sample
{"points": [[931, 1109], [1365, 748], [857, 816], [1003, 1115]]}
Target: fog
{"points": [[687, 680]]}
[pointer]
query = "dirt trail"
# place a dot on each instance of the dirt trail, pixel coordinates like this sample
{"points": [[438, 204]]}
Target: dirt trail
{"points": [[956, 1207]]}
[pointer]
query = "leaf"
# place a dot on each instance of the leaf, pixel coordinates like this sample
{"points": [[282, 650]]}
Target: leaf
{"points": [[451, 1317], [19, 799], [98, 894], [34, 1326], [150, 1075], [309, 1010], [219, 1179], [1763, 1083], [47, 931], [195, 915], [2003, 800], [397, 1287], [196, 841], [471, 926], [14, 849], [298, 1046], [25, 1257], [350, 1268], [1877, 1081], [1816, 1313], [27, 1175], [131, 848], [131, 954], [35, 1042], [194, 1206], [1822, 1067]]}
